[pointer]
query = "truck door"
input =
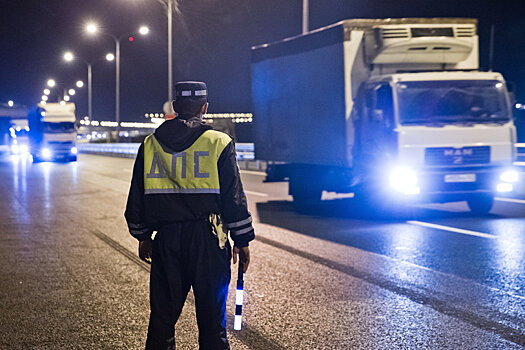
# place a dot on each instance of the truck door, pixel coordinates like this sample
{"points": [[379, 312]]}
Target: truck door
{"points": [[377, 136]]}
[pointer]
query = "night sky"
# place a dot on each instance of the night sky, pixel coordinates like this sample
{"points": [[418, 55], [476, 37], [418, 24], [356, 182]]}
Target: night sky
{"points": [[212, 40]]}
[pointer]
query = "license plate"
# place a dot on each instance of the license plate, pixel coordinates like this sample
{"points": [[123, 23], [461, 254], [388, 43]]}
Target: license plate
{"points": [[460, 178]]}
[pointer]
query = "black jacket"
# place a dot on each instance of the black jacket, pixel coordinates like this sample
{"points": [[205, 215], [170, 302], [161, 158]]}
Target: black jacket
{"points": [[147, 213]]}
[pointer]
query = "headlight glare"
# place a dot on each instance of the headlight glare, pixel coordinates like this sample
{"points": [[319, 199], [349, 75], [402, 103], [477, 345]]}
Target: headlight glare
{"points": [[509, 176], [46, 153], [404, 180]]}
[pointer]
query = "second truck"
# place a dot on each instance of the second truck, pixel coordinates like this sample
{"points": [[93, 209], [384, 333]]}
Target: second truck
{"points": [[52, 132], [394, 110]]}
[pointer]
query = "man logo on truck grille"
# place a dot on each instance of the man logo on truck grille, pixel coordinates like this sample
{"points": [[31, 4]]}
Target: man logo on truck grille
{"points": [[457, 154]]}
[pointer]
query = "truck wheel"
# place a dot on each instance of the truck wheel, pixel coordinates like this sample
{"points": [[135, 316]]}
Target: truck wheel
{"points": [[480, 204]]}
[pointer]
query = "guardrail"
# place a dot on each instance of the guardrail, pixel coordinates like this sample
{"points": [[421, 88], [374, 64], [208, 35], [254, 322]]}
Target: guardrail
{"points": [[245, 151]]}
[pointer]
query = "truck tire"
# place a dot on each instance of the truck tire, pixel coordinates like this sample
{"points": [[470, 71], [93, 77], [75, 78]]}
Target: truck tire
{"points": [[480, 204]]}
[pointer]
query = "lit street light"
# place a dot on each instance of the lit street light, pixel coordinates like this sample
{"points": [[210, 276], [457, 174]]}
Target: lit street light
{"points": [[44, 98], [47, 91], [51, 83], [92, 29], [68, 56], [10, 103], [110, 57], [143, 30], [66, 98], [72, 92]]}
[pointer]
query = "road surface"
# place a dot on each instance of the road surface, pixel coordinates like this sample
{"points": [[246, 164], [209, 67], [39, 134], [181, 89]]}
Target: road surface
{"points": [[331, 276]]}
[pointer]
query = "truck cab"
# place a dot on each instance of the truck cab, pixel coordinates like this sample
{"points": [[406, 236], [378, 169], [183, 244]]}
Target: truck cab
{"points": [[444, 136]]}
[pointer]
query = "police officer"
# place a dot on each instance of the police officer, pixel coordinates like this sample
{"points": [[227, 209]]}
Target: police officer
{"points": [[185, 180]]}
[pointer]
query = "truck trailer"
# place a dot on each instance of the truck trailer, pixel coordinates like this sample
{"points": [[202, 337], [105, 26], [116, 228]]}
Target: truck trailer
{"points": [[394, 110], [52, 132]]}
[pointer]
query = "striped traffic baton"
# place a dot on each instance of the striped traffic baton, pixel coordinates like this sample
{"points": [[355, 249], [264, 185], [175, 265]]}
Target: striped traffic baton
{"points": [[239, 296]]}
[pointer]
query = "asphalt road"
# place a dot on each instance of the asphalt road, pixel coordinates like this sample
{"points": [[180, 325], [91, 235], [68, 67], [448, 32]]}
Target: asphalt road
{"points": [[330, 276]]}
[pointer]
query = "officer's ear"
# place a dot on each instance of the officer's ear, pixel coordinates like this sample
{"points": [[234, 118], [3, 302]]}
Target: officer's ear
{"points": [[204, 109]]}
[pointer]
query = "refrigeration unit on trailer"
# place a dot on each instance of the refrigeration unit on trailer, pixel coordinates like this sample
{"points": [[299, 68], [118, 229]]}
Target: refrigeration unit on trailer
{"points": [[391, 109]]}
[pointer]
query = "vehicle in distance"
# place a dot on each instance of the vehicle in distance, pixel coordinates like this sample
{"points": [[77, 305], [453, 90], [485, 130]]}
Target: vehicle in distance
{"points": [[52, 132]]}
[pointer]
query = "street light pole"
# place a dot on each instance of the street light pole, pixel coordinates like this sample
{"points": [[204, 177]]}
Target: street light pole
{"points": [[305, 16], [117, 85], [170, 45], [90, 96]]}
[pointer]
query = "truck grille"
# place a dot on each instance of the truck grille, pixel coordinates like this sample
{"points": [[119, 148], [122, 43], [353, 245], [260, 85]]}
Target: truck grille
{"points": [[457, 156]]}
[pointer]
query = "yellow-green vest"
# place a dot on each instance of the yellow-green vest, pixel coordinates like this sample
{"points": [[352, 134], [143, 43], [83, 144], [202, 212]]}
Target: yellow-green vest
{"points": [[193, 170]]}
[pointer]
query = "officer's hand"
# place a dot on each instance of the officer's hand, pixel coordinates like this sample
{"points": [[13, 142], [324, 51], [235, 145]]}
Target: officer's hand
{"points": [[145, 250], [244, 256]]}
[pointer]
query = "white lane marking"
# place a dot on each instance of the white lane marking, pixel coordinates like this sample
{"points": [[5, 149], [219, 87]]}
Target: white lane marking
{"points": [[251, 172], [453, 229], [256, 193], [510, 200]]}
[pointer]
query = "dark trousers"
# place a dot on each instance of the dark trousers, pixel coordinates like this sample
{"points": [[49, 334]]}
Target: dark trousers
{"points": [[186, 254]]}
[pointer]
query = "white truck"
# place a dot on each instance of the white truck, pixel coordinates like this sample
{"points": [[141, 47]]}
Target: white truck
{"points": [[394, 110], [52, 132]]}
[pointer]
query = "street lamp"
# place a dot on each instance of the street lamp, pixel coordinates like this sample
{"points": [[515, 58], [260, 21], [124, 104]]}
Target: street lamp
{"points": [[92, 29], [51, 83], [47, 91], [143, 30], [66, 98], [10, 103], [44, 98], [69, 57], [71, 92]]}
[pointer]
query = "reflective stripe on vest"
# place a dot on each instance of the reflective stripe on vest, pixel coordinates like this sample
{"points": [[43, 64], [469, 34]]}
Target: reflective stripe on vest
{"points": [[193, 170]]}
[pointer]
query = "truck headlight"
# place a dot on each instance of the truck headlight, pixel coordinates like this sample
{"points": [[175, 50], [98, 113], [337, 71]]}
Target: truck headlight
{"points": [[509, 176], [404, 180], [74, 150], [46, 153]]}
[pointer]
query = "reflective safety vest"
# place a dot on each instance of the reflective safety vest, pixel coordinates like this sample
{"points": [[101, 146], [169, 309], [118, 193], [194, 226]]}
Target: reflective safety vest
{"points": [[193, 170]]}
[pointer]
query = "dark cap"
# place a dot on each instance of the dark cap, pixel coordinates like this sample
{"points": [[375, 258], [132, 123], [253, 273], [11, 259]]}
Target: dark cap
{"points": [[190, 96], [191, 89]]}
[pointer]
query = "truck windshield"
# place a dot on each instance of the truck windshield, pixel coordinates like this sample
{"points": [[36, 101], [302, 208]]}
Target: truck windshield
{"points": [[62, 127], [452, 102]]}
